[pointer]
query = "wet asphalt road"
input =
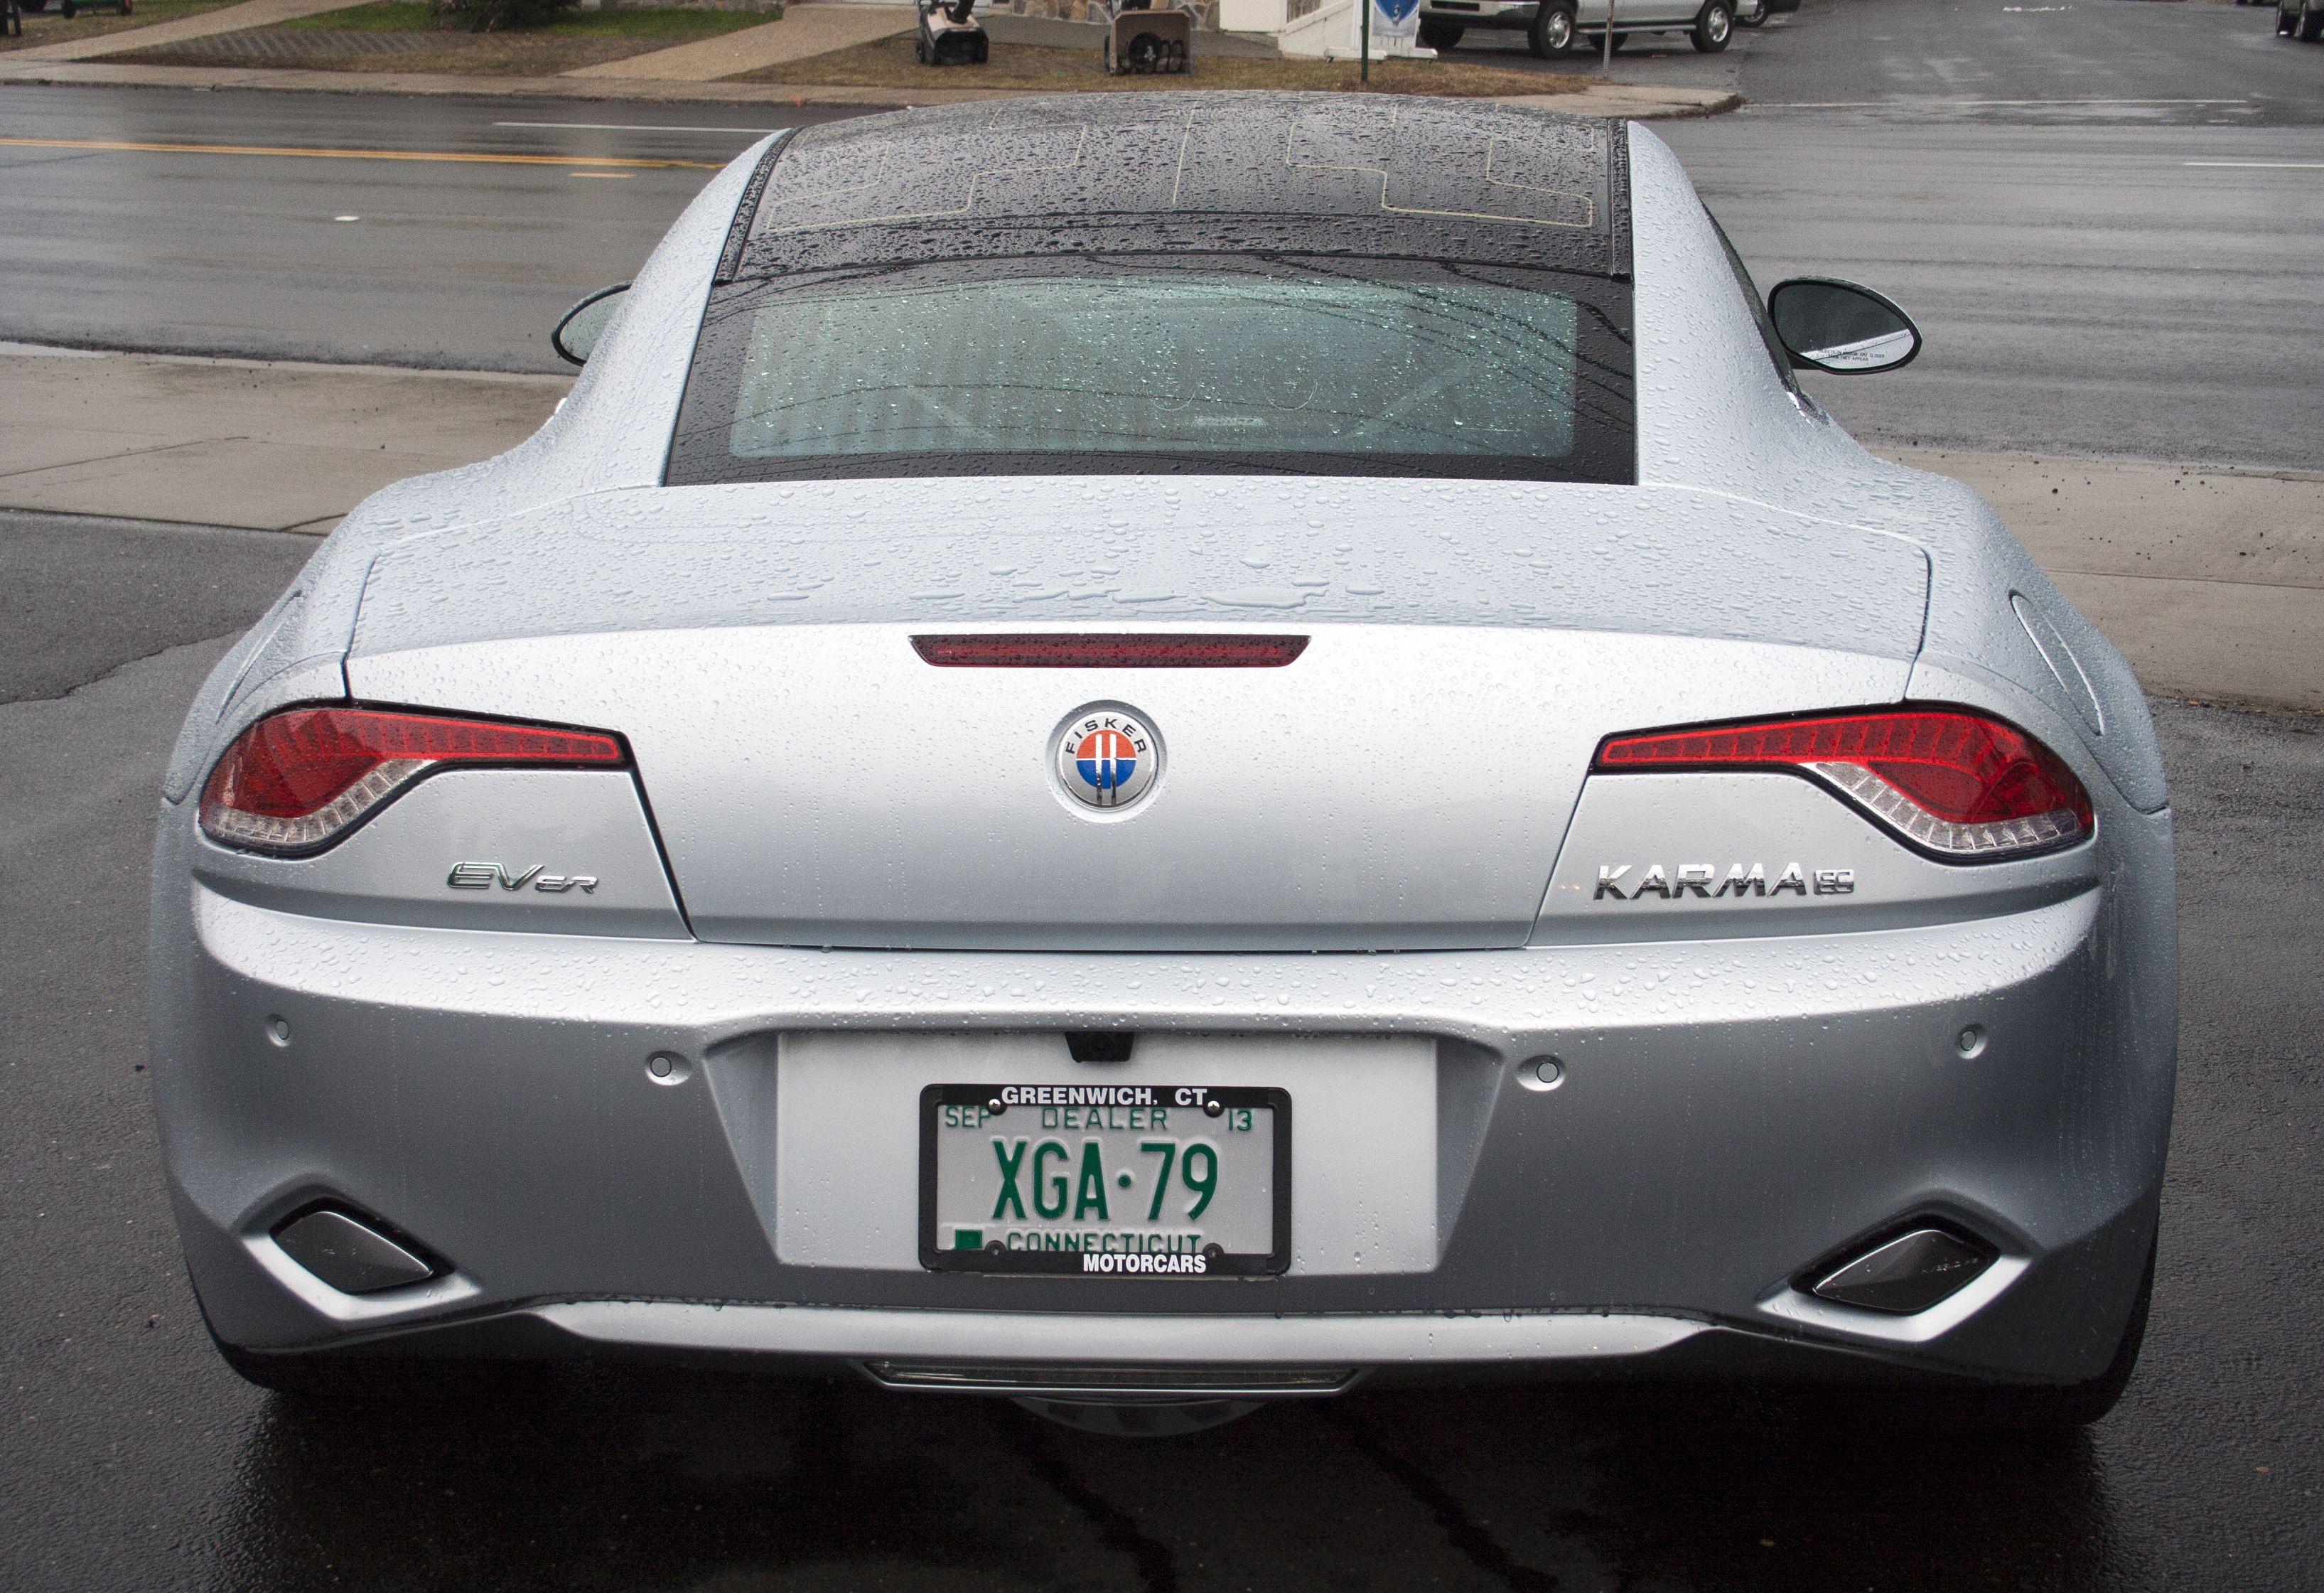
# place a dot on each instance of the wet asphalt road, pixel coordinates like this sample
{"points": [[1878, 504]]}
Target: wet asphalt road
{"points": [[2103, 215], [132, 1458], [455, 264]]}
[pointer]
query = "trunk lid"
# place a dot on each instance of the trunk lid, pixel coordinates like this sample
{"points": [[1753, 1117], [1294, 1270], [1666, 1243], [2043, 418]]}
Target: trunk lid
{"points": [[1405, 783]]}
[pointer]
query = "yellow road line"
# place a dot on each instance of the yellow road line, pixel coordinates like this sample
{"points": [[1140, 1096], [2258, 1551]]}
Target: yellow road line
{"points": [[348, 155]]}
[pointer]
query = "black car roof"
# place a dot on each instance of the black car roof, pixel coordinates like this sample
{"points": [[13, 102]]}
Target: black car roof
{"points": [[1208, 173]]}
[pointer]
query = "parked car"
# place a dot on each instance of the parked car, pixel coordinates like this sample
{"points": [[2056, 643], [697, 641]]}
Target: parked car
{"points": [[2301, 19], [850, 849], [1551, 27]]}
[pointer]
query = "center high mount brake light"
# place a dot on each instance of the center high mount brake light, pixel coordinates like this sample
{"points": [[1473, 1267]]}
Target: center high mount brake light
{"points": [[1169, 650], [299, 780], [1958, 784]]}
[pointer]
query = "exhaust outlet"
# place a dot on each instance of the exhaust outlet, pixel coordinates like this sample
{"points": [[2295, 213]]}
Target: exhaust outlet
{"points": [[350, 1255], [1906, 1274]]}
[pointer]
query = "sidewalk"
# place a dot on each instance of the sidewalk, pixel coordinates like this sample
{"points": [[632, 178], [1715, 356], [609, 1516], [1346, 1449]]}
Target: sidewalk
{"points": [[1599, 100], [230, 19], [266, 446], [805, 29], [2210, 581]]}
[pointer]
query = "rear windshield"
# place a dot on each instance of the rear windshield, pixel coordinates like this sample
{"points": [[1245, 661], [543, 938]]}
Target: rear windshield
{"points": [[1160, 365]]}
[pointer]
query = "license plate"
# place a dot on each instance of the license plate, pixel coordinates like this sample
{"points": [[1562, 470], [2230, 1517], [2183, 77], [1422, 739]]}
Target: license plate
{"points": [[1126, 1180]]}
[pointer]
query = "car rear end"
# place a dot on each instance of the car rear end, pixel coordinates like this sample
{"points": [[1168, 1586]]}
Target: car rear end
{"points": [[1102, 936], [1569, 1044]]}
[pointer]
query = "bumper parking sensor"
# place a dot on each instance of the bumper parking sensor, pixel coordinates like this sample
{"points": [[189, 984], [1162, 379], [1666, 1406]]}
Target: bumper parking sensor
{"points": [[1906, 1274]]}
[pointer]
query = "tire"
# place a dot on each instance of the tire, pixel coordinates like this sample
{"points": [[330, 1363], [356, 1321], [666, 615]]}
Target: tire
{"points": [[1551, 32], [2284, 22], [1440, 36], [68, 9], [2311, 25], [1714, 27], [1758, 19]]}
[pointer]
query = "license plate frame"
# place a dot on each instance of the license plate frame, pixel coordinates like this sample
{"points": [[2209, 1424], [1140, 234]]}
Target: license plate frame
{"points": [[1273, 1261]]}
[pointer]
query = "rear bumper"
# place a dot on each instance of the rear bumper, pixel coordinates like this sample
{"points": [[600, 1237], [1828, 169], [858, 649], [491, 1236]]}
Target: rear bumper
{"points": [[1732, 1112], [1052, 1353], [1112, 1357]]}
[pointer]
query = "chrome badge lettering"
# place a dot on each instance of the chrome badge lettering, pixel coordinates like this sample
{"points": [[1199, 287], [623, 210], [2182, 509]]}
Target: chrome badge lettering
{"points": [[483, 877], [1695, 879]]}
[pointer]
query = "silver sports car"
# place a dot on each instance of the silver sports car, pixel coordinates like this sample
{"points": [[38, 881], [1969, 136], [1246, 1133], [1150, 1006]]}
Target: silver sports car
{"points": [[1149, 753]]}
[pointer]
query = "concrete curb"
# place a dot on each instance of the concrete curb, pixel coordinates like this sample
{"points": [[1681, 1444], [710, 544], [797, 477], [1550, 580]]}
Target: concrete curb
{"points": [[1629, 101]]}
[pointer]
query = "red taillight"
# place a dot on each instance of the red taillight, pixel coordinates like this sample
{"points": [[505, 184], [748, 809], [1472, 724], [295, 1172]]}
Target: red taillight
{"points": [[297, 781], [1073, 651], [1955, 783]]}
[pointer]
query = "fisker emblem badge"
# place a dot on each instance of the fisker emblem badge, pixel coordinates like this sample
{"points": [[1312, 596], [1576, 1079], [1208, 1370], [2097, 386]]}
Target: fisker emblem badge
{"points": [[1107, 756]]}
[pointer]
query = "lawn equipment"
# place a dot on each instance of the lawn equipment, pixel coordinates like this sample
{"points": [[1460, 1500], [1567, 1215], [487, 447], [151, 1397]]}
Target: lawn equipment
{"points": [[949, 36]]}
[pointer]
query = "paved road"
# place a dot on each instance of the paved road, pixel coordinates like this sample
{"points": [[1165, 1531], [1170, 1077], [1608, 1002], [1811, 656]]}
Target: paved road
{"points": [[2104, 213], [459, 264], [132, 1458], [2039, 185], [2046, 62]]}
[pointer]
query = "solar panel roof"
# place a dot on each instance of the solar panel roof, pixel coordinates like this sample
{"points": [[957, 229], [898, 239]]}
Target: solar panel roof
{"points": [[1194, 171]]}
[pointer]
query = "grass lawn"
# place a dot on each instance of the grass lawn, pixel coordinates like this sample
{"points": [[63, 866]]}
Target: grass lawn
{"points": [[888, 63], [46, 27], [400, 36]]}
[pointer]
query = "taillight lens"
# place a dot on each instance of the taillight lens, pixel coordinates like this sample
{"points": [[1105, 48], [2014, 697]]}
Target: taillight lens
{"points": [[297, 781], [1958, 784]]}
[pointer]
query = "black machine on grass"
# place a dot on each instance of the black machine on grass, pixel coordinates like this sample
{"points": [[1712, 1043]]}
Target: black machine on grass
{"points": [[1145, 38], [950, 36]]}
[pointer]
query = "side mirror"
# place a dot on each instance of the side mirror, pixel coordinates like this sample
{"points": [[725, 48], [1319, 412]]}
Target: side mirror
{"points": [[584, 323], [1840, 328]]}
